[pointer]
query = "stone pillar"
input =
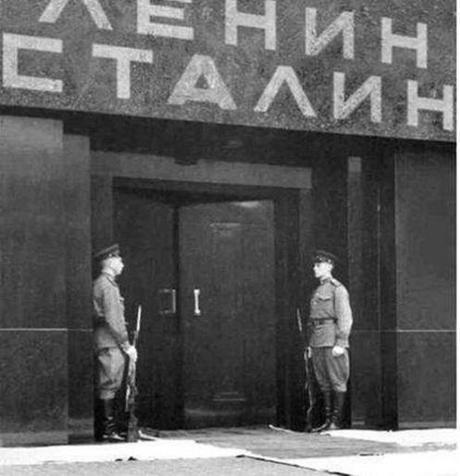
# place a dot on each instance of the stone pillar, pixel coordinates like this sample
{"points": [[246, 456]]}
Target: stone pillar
{"points": [[33, 321], [364, 257], [355, 286], [406, 333], [78, 281]]}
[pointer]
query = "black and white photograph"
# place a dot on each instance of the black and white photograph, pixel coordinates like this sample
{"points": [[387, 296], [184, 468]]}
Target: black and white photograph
{"points": [[228, 238]]}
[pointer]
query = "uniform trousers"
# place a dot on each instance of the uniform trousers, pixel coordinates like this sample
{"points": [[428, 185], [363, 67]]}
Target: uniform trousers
{"points": [[331, 372], [110, 362]]}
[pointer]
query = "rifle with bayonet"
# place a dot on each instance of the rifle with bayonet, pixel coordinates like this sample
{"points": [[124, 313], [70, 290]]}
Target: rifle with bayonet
{"points": [[309, 377], [131, 389]]}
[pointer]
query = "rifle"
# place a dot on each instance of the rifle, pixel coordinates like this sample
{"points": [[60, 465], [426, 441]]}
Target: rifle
{"points": [[309, 377], [131, 390]]}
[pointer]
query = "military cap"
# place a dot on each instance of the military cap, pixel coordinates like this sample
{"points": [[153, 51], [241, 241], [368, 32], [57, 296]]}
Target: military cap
{"points": [[112, 250], [321, 256]]}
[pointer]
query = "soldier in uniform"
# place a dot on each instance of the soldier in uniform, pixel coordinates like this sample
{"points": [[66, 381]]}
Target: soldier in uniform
{"points": [[110, 340], [329, 329]]}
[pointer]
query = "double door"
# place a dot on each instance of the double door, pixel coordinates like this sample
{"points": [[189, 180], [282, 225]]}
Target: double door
{"points": [[202, 268]]}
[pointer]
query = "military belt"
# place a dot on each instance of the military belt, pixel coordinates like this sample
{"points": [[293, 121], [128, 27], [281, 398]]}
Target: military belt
{"points": [[319, 321]]}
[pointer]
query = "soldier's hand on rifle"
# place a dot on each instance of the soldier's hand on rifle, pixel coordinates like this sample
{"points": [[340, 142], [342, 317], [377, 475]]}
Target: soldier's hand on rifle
{"points": [[132, 353], [337, 351]]}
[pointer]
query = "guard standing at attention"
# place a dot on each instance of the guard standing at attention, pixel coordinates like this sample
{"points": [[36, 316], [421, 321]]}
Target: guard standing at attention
{"points": [[329, 330], [110, 340]]}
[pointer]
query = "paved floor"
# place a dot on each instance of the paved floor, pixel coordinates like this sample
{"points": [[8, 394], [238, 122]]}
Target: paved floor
{"points": [[184, 467], [289, 444], [426, 463], [248, 451]]}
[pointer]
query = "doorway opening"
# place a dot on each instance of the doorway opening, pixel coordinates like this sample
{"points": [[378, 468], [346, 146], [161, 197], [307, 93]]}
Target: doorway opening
{"points": [[202, 262]]}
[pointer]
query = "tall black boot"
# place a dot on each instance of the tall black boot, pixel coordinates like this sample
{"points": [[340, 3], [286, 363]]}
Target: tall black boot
{"points": [[109, 434], [327, 396], [339, 400]]}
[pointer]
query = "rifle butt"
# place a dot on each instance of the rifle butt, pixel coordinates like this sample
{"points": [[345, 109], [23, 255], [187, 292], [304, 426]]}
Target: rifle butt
{"points": [[133, 430]]}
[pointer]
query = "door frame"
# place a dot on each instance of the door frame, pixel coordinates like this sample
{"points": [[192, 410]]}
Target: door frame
{"points": [[290, 190]]}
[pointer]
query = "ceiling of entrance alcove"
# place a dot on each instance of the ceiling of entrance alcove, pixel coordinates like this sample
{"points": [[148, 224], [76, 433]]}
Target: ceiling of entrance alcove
{"points": [[188, 142]]}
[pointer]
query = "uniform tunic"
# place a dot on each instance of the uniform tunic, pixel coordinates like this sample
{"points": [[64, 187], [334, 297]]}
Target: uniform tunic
{"points": [[110, 335], [330, 325]]}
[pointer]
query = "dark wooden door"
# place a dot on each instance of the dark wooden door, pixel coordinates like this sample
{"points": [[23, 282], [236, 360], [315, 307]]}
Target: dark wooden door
{"points": [[227, 256], [144, 227]]}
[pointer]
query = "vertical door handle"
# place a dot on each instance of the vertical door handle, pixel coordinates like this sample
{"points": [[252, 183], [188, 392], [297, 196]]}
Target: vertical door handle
{"points": [[196, 298], [173, 301]]}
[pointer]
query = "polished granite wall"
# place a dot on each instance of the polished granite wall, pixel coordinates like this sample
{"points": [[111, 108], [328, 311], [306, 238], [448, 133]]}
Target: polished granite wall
{"points": [[426, 379], [401, 254], [425, 277], [45, 346]]}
